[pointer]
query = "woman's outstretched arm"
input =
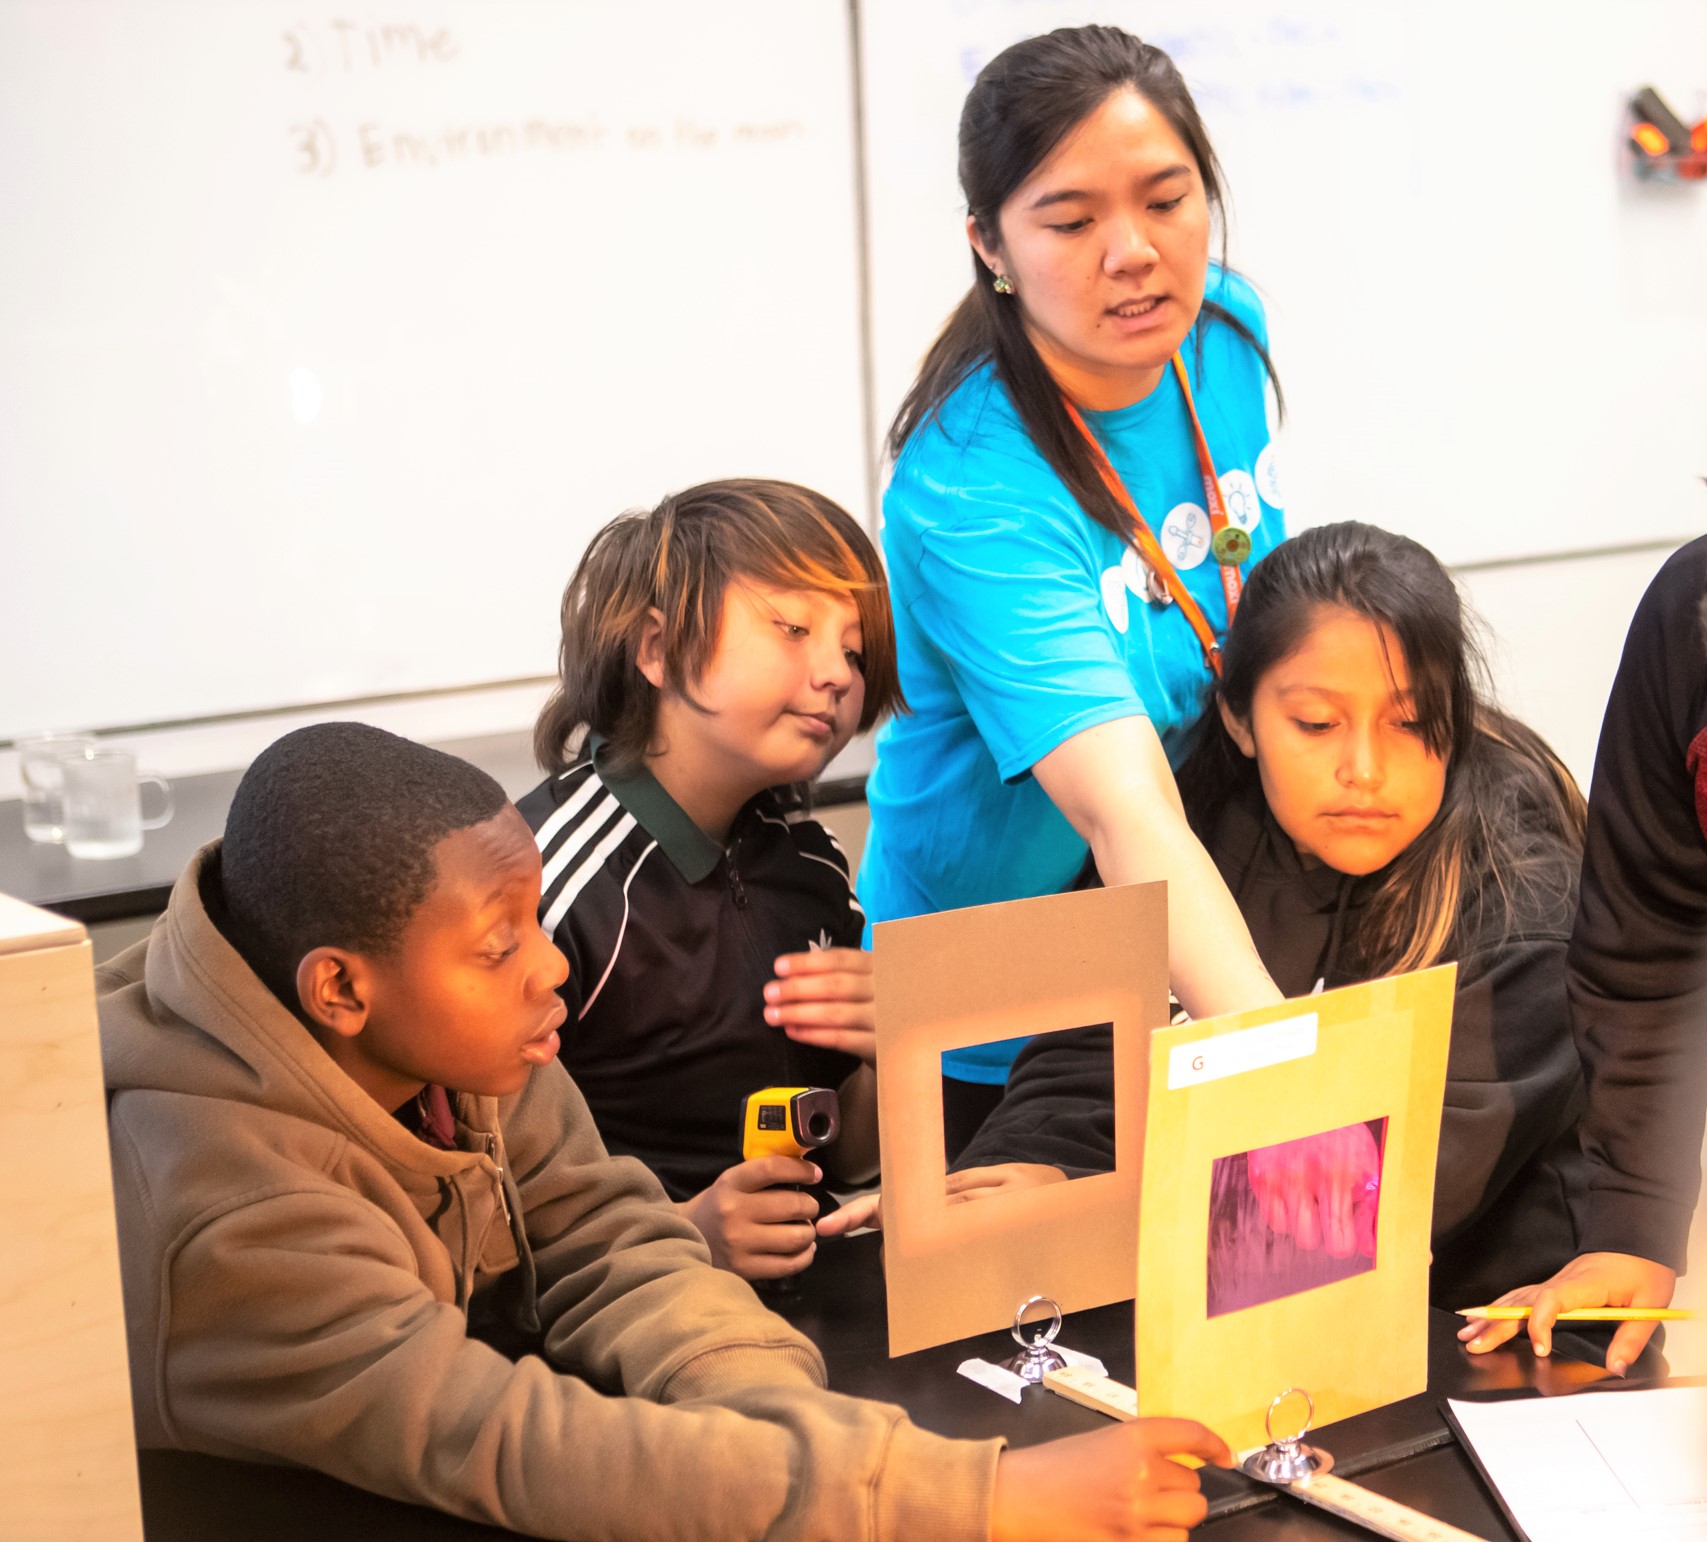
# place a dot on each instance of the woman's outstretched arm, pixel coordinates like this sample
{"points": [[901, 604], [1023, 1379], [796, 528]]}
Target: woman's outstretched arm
{"points": [[1115, 787]]}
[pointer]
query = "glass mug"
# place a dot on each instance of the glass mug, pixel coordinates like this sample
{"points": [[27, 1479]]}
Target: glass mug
{"points": [[103, 803], [39, 764]]}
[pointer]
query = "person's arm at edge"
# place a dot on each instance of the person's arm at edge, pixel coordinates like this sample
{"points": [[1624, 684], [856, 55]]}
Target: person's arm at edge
{"points": [[1645, 876], [1113, 784], [1636, 975]]}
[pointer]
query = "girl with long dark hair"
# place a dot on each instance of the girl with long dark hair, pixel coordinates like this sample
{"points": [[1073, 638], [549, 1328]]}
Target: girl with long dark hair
{"points": [[1372, 812], [1082, 469]]}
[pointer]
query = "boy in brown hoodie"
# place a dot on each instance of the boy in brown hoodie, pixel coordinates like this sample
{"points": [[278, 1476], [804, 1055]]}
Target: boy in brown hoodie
{"points": [[348, 1164]]}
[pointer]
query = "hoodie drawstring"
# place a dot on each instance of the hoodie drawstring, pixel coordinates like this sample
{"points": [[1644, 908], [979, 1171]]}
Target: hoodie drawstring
{"points": [[1336, 933]]}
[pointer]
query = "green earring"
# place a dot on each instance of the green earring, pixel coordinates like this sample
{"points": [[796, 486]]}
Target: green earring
{"points": [[1003, 284]]}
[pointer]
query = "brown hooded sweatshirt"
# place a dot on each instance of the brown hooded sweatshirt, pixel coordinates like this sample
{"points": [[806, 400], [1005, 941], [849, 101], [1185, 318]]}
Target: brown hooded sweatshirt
{"points": [[307, 1282]]}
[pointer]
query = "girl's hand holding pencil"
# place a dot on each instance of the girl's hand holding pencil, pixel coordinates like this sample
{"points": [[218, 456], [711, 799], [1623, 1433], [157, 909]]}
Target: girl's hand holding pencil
{"points": [[1624, 1288]]}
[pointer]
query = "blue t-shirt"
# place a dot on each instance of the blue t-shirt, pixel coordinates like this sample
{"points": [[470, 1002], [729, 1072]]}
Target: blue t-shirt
{"points": [[1021, 622]]}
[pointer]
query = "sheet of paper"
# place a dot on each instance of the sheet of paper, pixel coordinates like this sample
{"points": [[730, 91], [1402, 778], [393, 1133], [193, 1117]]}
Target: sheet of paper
{"points": [[1631, 1465]]}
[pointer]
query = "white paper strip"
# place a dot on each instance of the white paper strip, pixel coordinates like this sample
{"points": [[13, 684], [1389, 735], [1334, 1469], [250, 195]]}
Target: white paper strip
{"points": [[1250, 1049], [993, 1377]]}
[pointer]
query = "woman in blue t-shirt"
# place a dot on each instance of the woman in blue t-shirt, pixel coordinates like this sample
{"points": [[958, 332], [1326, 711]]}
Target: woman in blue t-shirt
{"points": [[1056, 649]]}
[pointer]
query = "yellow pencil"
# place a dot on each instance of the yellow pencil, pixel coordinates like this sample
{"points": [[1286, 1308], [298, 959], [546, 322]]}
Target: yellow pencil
{"points": [[1585, 1314]]}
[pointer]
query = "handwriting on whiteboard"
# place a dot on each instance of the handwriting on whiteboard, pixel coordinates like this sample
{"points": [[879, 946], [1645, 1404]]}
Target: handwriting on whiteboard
{"points": [[322, 145], [373, 146], [350, 46], [1239, 58]]}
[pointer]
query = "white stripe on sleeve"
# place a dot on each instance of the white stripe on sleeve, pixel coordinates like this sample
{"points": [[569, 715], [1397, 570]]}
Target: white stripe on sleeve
{"points": [[560, 817], [585, 872], [621, 931]]}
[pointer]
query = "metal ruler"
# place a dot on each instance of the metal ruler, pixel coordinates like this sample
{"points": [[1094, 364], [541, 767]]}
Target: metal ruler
{"points": [[1350, 1501], [1385, 1517]]}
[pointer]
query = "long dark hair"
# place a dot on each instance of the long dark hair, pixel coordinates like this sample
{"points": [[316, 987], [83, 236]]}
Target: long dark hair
{"points": [[1504, 786], [679, 559], [1024, 102]]}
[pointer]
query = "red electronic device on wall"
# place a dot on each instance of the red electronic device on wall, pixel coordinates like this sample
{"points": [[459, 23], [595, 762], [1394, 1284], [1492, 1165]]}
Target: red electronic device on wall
{"points": [[1663, 147]]}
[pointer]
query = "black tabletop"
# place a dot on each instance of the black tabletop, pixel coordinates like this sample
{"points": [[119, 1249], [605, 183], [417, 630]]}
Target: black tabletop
{"points": [[1403, 1451]]}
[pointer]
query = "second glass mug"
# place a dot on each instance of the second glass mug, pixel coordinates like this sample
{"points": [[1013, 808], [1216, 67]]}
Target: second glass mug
{"points": [[103, 803], [39, 762]]}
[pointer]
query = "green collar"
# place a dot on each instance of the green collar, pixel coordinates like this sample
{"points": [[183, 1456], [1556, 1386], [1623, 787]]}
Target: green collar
{"points": [[693, 852]]}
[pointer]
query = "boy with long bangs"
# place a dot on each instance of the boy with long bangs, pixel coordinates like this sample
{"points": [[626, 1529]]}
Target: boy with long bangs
{"points": [[717, 652], [347, 1165]]}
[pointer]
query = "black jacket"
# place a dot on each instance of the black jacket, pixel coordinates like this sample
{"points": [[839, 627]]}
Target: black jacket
{"points": [[1638, 989], [671, 940], [1511, 1182]]}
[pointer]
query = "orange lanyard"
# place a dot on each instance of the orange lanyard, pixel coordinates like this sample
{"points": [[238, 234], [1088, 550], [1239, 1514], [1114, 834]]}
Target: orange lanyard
{"points": [[1228, 543]]}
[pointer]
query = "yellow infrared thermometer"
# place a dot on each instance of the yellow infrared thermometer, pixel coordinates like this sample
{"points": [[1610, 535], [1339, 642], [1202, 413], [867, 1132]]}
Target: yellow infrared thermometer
{"points": [[788, 1121]]}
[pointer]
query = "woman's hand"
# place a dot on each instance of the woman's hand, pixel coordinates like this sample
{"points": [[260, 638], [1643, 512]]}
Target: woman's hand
{"points": [[755, 1226], [1112, 1483], [825, 998], [1592, 1279], [1322, 1190]]}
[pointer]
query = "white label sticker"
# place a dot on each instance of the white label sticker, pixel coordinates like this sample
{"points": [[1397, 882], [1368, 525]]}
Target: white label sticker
{"points": [[1250, 1049]]}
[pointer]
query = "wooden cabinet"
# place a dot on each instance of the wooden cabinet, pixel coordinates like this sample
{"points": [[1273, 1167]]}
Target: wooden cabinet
{"points": [[67, 1444]]}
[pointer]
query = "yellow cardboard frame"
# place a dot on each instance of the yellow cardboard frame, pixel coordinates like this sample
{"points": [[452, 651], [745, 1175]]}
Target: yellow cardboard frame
{"points": [[974, 976], [1353, 1345]]}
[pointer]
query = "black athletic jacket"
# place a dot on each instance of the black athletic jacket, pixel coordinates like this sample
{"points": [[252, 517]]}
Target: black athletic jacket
{"points": [[671, 940], [1511, 1181], [1638, 989]]}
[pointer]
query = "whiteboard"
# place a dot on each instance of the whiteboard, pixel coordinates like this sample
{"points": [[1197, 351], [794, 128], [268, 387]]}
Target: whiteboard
{"points": [[330, 336], [1488, 337]]}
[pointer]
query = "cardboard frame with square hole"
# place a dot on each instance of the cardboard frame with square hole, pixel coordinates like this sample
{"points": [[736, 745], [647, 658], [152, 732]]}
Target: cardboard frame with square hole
{"points": [[975, 976], [1378, 1050]]}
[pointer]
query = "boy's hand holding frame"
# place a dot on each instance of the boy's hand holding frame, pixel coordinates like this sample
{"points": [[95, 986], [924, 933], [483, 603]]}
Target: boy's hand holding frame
{"points": [[825, 997]]}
